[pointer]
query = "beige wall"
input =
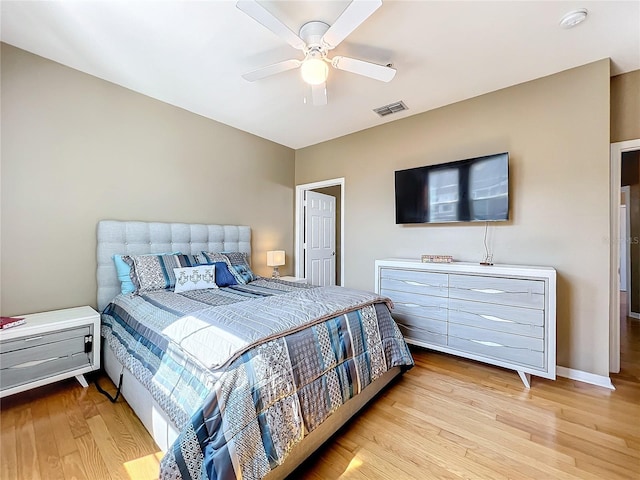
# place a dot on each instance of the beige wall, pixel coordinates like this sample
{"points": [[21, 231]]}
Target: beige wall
{"points": [[625, 107], [556, 130], [76, 149]]}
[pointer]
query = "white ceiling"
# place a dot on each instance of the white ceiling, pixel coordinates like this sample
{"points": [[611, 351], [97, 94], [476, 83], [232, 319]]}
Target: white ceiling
{"points": [[191, 54]]}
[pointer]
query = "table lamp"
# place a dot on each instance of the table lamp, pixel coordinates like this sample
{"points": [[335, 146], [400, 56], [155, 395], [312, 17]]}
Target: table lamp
{"points": [[275, 259]]}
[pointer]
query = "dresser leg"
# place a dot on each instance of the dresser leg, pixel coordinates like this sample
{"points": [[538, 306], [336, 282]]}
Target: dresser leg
{"points": [[82, 380], [526, 378]]}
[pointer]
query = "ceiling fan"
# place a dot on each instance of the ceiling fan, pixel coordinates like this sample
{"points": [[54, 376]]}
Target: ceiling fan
{"points": [[316, 39]]}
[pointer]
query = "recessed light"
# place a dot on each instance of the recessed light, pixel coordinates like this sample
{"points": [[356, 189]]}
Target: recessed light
{"points": [[574, 18]]}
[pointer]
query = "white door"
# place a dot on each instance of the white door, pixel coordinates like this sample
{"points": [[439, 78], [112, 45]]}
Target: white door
{"points": [[320, 238]]}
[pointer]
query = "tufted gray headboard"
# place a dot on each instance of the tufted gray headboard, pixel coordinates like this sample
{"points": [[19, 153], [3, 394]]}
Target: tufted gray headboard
{"points": [[136, 238]]}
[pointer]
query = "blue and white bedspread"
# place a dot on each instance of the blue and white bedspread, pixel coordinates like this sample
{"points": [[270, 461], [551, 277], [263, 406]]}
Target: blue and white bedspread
{"points": [[245, 372]]}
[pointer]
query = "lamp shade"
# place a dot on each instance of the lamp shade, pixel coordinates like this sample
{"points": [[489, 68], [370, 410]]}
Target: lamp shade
{"points": [[275, 258]]}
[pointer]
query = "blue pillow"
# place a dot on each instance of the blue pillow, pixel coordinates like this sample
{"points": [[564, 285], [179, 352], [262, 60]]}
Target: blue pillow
{"points": [[240, 263], [213, 257], [224, 278], [123, 269]]}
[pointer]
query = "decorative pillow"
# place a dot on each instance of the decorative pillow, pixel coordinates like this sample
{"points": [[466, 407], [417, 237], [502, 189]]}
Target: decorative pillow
{"points": [[155, 272], [123, 269], [195, 278], [224, 274], [191, 260], [240, 262], [212, 257]]}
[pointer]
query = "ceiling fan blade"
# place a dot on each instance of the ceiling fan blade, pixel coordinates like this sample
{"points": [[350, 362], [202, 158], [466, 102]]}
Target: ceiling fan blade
{"points": [[319, 94], [368, 69], [355, 13], [266, 19], [271, 70]]}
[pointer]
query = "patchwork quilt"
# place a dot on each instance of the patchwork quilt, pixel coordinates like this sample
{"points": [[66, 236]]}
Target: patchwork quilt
{"points": [[245, 372]]}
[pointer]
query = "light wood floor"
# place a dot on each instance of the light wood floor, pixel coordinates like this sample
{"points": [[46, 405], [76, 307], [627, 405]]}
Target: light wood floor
{"points": [[446, 418]]}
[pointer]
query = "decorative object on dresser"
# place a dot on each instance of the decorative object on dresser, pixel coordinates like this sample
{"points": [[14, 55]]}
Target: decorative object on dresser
{"points": [[437, 258], [50, 346], [504, 315]]}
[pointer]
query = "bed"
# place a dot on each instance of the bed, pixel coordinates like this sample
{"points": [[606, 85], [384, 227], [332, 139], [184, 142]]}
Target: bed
{"points": [[242, 381]]}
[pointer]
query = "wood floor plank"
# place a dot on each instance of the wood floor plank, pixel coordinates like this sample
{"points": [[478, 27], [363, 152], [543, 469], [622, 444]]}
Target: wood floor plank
{"points": [[119, 432], [73, 467], [49, 459], [8, 447], [26, 452], [92, 460], [77, 421], [64, 438], [140, 436], [111, 454], [145, 467], [434, 448], [401, 458]]}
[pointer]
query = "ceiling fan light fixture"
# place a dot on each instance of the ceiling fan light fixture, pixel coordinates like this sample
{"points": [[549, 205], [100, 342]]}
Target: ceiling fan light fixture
{"points": [[573, 18], [314, 71]]}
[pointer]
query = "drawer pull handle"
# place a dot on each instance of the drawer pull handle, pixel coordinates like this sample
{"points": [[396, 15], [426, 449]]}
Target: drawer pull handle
{"points": [[417, 284], [487, 290], [415, 305], [33, 363], [496, 319], [487, 344], [32, 339]]}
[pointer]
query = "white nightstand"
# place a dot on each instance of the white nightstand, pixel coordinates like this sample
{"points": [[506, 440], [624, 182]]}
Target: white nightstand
{"points": [[50, 346], [294, 279]]}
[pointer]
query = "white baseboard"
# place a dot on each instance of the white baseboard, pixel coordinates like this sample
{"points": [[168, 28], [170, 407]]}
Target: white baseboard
{"points": [[634, 315], [586, 377]]}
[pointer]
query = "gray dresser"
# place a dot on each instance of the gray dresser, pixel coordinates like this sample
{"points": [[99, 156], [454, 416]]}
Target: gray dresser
{"points": [[504, 315]]}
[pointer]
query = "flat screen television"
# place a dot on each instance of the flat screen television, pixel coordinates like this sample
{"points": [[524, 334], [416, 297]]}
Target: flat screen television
{"points": [[471, 190]]}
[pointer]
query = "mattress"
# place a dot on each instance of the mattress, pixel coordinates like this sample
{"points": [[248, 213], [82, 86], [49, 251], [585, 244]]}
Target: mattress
{"points": [[246, 372]]}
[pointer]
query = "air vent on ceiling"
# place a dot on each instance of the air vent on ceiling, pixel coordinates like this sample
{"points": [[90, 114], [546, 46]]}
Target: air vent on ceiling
{"points": [[391, 108]]}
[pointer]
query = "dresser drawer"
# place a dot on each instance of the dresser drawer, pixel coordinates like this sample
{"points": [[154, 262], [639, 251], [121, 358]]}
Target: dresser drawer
{"points": [[527, 351], [501, 318], [34, 363], [435, 326], [422, 335], [500, 290], [413, 281], [418, 305]]}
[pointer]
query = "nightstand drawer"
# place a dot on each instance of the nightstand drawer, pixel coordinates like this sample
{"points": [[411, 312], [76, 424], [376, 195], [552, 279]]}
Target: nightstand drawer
{"points": [[42, 339], [32, 364]]}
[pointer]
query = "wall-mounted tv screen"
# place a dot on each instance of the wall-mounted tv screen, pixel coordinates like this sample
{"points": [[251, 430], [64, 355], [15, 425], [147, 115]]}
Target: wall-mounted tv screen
{"points": [[471, 190]]}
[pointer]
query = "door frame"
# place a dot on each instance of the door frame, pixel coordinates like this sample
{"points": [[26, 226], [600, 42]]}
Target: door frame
{"points": [[627, 192], [299, 222], [617, 149]]}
